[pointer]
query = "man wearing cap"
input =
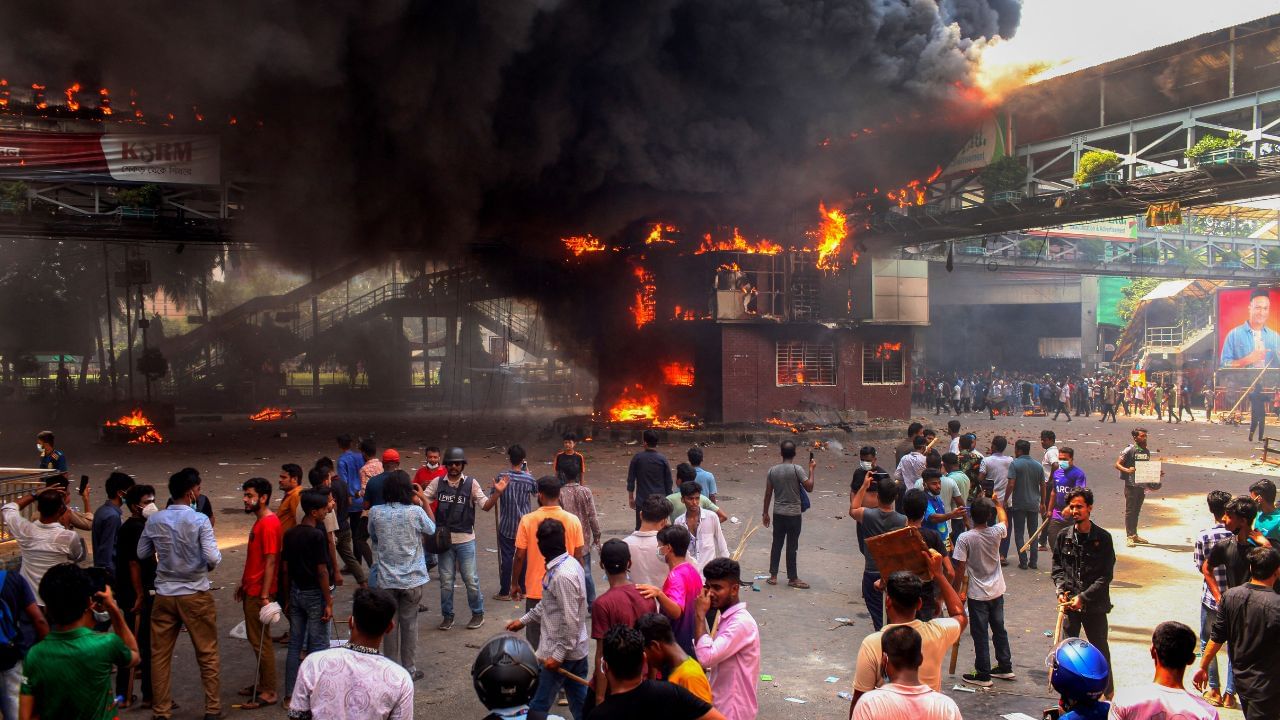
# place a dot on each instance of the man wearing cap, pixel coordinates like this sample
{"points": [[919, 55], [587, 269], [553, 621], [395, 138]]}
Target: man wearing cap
{"points": [[458, 495], [373, 488]]}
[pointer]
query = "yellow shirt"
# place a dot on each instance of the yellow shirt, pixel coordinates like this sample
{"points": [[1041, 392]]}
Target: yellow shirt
{"points": [[689, 675]]}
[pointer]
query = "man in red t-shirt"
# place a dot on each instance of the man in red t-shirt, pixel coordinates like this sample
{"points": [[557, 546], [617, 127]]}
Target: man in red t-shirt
{"points": [[428, 472], [258, 585], [621, 604]]}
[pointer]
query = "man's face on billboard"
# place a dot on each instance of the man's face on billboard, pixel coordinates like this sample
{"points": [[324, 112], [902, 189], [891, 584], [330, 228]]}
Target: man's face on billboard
{"points": [[1259, 310]]}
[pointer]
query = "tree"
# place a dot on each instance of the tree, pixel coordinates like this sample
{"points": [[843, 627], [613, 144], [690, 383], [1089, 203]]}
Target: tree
{"points": [[1133, 294]]}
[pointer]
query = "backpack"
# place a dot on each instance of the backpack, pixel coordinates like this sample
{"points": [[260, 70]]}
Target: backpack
{"points": [[10, 653]]}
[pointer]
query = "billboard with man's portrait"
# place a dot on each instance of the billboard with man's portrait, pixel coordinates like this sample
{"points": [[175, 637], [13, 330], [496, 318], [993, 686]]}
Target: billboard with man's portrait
{"points": [[1248, 328]]}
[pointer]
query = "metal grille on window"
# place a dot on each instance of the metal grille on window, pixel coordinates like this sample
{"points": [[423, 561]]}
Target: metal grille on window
{"points": [[805, 363], [882, 364]]}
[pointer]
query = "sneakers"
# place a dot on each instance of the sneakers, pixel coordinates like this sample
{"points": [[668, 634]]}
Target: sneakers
{"points": [[977, 678], [446, 622], [476, 622], [1004, 672]]}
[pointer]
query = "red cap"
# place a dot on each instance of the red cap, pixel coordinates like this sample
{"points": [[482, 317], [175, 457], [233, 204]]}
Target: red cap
{"points": [[390, 455]]}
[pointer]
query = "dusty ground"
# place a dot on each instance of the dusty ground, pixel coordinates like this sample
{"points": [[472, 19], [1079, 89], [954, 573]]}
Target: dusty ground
{"points": [[802, 643]]}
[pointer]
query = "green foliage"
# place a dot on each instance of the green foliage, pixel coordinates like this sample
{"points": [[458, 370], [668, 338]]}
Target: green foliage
{"points": [[1187, 257], [153, 364], [1228, 256], [1096, 162], [1132, 294], [1273, 256], [1091, 248], [1004, 173], [144, 196], [15, 194], [1210, 143]]}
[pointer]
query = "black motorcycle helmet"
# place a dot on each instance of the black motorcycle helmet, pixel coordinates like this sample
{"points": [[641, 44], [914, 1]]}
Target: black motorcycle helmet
{"points": [[505, 673]]}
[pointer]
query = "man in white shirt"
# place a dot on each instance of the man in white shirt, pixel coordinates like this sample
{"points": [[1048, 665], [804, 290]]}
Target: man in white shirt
{"points": [[903, 596], [355, 680], [1173, 648], [904, 696], [646, 567], [45, 542], [912, 465], [978, 551], [993, 475], [1048, 441]]}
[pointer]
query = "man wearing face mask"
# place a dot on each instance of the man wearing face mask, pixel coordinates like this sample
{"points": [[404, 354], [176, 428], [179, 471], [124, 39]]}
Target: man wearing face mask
{"points": [[186, 552], [135, 585], [1084, 561], [258, 586], [1066, 477]]}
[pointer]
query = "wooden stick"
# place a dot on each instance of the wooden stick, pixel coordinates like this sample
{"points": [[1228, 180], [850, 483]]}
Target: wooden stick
{"points": [[955, 649], [1036, 534], [573, 677]]}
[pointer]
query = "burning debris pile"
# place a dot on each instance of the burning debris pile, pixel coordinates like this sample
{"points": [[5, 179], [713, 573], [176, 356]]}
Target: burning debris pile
{"points": [[637, 405], [133, 429], [270, 414]]}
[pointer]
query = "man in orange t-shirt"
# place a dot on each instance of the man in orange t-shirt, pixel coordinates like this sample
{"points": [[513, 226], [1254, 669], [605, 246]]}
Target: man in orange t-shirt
{"points": [[529, 565], [258, 585]]}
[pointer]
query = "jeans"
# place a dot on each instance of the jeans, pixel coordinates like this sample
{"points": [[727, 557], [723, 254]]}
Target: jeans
{"points": [[12, 685], [1095, 629], [198, 613], [141, 625], [1258, 420], [549, 684], [533, 631], [874, 598], [307, 632], [1053, 531], [506, 558], [984, 615], [1108, 409], [1028, 520], [1207, 618], [786, 528], [591, 582], [346, 550], [401, 643], [461, 556], [1133, 498]]}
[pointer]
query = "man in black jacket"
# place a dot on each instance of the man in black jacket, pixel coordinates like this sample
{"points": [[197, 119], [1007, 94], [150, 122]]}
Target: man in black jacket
{"points": [[1084, 561], [648, 474]]}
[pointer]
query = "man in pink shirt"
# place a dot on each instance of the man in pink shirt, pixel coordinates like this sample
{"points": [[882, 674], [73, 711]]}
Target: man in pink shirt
{"points": [[1173, 648], [732, 657], [679, 594], [904, 696]]}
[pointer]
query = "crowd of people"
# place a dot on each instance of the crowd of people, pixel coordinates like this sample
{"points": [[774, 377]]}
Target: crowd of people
{"points": [[1069, 395], [667, 630]]}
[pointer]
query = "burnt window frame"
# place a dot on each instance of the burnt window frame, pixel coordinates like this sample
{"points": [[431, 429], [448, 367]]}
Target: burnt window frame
{"points": [[817, 352]]}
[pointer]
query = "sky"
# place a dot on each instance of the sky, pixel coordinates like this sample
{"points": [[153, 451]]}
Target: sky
{"points": [[1082, 33]]}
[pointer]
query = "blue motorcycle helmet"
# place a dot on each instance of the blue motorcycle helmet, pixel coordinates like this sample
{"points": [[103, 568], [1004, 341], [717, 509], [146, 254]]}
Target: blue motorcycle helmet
{"points": [[1078, 671]]}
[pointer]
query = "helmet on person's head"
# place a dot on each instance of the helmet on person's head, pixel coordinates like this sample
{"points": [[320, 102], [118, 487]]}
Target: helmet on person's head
{"points": [[1078, 671], [505, 673], [454, 454]]}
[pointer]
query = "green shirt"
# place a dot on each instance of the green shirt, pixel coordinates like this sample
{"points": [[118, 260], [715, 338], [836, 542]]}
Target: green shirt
{"points": [[1268, 523], [69, 673], [677, 507], [962, 482]]}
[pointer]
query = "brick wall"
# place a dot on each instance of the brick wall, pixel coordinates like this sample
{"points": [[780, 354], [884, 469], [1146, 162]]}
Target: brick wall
{"points": [[750, 385]]}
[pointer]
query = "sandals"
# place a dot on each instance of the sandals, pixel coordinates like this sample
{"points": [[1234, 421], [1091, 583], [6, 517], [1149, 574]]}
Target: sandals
{"points": [[772, 580], [257, 703], [798, 584]]}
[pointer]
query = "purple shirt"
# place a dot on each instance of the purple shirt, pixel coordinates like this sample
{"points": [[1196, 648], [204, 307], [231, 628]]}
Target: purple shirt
{"points": [[1064, 481], [732, 661]]}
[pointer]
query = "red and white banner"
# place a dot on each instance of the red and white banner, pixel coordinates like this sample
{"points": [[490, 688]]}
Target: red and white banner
{"points": [[122, 157]]}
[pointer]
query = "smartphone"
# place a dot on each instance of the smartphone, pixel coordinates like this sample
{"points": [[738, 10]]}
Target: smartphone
{"points": [[524, 465], [810, 456], [84, 483]]}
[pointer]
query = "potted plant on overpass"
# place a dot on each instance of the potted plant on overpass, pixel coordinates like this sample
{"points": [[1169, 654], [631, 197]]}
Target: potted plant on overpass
{"points": [[1003, 180], [1214, 151], [1099, 168]]}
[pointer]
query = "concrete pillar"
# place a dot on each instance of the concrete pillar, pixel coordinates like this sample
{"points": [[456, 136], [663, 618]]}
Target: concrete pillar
{"points": [[1089, 355]]}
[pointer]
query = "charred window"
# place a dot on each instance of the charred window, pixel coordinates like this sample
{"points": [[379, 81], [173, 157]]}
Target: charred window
{"points": [[806, 363], [882, 364]]}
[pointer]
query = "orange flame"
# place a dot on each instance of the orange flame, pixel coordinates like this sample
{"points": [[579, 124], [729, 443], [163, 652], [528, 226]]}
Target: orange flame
{"points": [[104, 101], [72, 104], [782, 423], [831, 232], [636, 404], [884, 351], [655, 235], [645, 306], [143, 429], [678, 374], [580, 244], [268, 414], [738, 243]]}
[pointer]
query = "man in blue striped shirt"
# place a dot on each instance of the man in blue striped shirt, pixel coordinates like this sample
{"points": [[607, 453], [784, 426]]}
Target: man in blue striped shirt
{"points": [[1205, 541], [513, 488]]}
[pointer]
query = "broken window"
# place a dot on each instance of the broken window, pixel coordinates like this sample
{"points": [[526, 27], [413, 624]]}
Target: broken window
{"points": [[883, 364]]}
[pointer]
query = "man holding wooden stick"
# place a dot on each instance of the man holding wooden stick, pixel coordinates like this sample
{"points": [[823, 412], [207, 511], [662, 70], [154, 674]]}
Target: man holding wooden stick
{"points": [[1084, 560]]}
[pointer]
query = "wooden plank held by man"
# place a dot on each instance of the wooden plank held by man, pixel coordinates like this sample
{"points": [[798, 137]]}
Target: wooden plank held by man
{"points": [[901, 549]]}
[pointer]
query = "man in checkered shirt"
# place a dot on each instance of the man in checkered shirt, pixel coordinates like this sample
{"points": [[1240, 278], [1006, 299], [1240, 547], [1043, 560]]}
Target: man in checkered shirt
{"points": [[1205, 541]]}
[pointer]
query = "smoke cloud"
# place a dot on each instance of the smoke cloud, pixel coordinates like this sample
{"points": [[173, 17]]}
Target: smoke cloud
{"points": [[398, 124]]}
